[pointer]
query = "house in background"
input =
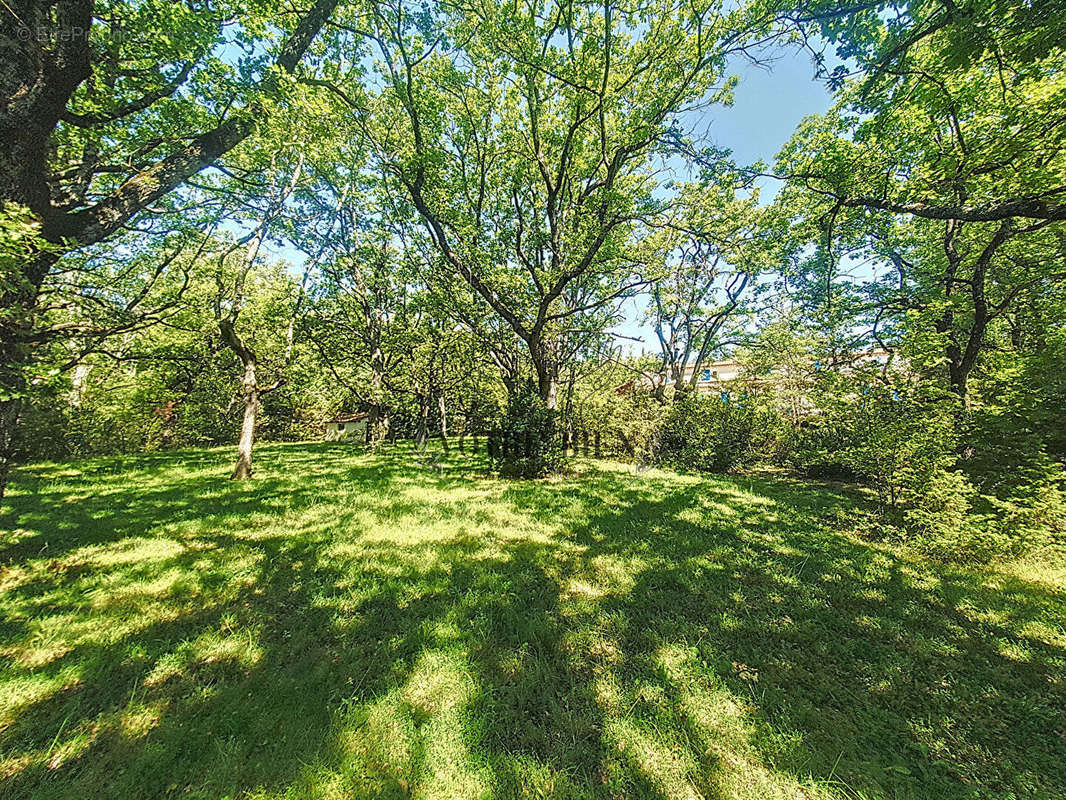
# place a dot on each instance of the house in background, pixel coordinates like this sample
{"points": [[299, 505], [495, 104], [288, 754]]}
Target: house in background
{"points": [[713, 375], [725, 371], [346, 426], [710, 374]]}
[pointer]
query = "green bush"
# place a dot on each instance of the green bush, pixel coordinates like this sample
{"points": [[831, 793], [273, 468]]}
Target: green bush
{"points": [[890, 438], [709, 434], [818, 451], [902, 442], [528, 421], [1022, 487], [1032, 516], [938, 520], [631, 426]]}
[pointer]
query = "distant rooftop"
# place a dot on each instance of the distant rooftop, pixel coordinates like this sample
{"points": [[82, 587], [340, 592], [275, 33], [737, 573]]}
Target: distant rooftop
{"points": [[355, 417]]}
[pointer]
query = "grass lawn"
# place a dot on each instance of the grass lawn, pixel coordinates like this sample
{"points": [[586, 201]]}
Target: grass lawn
{"points": [[361, 626]]}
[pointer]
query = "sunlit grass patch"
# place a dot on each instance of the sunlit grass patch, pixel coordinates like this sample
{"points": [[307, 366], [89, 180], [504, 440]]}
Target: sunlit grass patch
{"points": [[356, 625]]}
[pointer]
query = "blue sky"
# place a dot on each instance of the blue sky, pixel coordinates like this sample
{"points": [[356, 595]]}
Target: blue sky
{"points": [[769, 104]]}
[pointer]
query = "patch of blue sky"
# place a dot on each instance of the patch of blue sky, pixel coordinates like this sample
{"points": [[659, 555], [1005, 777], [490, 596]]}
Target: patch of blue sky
{"points": [[769, 102]]}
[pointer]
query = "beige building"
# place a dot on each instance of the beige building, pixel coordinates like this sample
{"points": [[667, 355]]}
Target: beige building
{"points": [[346, 426], [712, 375]]}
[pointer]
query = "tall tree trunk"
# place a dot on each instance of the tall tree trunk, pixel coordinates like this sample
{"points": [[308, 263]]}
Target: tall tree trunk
{"points": [[547, 371], [228, 328], [962, 357], [378, 423], [423, 423], [443, 424], [549, 390], [243, 469], [252, 393], [568, 403], [377, 430]]}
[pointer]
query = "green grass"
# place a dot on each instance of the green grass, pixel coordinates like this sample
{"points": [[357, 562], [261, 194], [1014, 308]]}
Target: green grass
{"points": [[361, 626]]}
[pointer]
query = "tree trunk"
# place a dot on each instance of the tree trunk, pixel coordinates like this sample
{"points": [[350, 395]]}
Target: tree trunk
{"points": [[377, 425], [443, 424], [568, 404], [547, 383], [18, 307], [243, 469], [546, 365], [423, 423], [658, 391]]}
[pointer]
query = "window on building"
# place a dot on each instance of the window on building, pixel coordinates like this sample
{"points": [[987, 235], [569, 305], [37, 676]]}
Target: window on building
{"points": [[340, 426], [705, 376]]}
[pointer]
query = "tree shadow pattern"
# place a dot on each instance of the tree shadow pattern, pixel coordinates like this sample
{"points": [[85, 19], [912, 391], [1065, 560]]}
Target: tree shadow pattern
{"points": [[355, 625]]}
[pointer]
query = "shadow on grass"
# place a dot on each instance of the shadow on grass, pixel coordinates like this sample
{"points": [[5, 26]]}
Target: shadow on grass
{"points": [[171, 633], [869, 671]]}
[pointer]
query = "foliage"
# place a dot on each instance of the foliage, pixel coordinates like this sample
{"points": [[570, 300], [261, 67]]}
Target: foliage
{"points": [[635, 421], [532, 444], [173, 383], [708, 244], [900, 441], [1022, 485], [493, 115], [710, 434], [937, 516]]}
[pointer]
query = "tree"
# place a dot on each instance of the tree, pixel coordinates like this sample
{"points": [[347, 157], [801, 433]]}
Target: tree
{"points": [[94, 130], [367, 312], [167, 381], [698, 296], [229, 303], [524, 137], [941, 162]]}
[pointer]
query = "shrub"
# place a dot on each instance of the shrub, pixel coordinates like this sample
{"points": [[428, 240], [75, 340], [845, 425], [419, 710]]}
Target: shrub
{"points": [[902, 442], [818, 451], [888, 437], [709, 434], [1032, 516], [1021, 484], [631, 424], [528, 421], [937, 518]]}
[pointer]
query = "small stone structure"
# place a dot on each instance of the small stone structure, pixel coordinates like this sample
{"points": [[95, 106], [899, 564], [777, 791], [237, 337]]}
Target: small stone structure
{"points": [[346, 426]]}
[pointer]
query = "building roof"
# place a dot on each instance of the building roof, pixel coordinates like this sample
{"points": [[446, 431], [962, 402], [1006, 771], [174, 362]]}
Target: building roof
{"points": [[356, 417]]}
